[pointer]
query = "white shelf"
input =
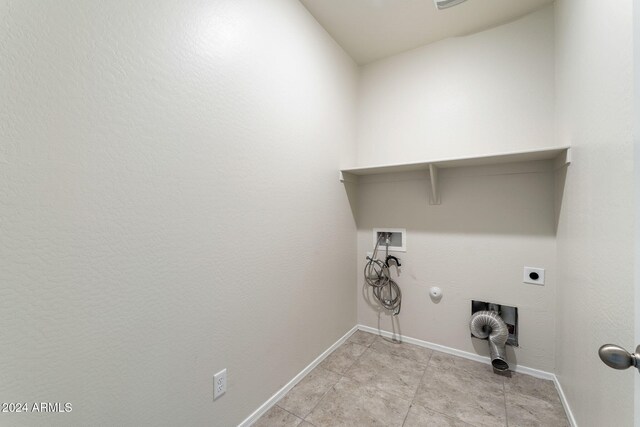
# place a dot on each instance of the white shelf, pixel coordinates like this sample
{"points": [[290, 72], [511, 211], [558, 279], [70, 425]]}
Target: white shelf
{"points": [[561, 156]]}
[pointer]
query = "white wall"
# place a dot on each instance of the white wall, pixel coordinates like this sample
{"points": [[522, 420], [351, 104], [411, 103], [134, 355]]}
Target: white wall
{"points": [[596, 228], [488, 92], [169, 206], [636, 170]]}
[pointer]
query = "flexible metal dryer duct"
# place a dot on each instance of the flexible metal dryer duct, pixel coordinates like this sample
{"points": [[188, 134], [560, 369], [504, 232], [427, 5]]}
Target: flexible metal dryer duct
{"points": [[489, 324]]}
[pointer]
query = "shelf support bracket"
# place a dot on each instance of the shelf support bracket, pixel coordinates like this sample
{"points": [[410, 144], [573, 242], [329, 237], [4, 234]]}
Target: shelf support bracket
{"points": [[347, 177], [434, 196], [564, 159]]}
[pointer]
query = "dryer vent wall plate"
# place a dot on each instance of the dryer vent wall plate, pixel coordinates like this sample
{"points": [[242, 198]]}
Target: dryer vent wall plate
{"points": [[508, 313]]}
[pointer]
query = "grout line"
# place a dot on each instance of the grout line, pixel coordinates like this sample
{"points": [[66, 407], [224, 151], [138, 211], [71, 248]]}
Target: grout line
{"points": [[445, 414], [337, 373], [426, 367], [320, 401], [324, 395], [368, 348], [504, 396], [322, 398], [401, 341], [288, 412]]}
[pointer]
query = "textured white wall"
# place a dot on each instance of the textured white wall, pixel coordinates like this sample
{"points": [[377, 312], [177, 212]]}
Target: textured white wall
{"points": [[169, 206], [488, 92], [596, 228]]}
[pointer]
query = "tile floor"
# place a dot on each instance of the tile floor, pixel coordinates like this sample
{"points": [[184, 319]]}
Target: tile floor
{"points": [[370, 381]]}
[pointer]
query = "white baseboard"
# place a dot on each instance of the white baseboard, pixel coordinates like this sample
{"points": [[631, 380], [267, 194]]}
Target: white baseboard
{"points": [[284, 390], [449, 350], [565, 402], [483, 359]]}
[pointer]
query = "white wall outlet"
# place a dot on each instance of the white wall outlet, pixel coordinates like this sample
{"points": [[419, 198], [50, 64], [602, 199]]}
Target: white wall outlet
{"points": [[533, 275], [219, 384]]}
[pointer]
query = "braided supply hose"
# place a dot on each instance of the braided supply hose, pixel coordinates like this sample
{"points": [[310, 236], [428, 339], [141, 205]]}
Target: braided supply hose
{"points": [[377, 275]]}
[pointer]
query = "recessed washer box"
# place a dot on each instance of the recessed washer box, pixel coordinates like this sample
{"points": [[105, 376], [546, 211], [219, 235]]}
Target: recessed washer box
{"points": [[398, 241]]}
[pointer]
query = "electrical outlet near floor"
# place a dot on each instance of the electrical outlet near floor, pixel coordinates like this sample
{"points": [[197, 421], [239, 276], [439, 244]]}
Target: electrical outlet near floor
{"points": [[219, 384]]}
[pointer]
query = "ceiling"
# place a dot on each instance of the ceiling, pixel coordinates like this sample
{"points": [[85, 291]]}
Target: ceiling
{"points": [[372, 29]]}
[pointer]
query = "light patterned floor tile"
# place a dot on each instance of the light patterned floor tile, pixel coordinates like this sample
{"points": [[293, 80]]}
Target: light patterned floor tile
{"points": [[408, 351], [342, 358], [308, 392], [391, 374], [362, 338], [350, 403], [278, 417], [454, 393], [420, 417], [388, 384]]}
